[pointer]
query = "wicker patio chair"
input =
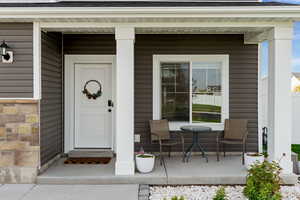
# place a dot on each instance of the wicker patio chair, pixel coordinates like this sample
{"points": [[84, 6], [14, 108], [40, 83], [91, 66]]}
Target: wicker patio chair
{"points": [[235, 133], [160, 134]]}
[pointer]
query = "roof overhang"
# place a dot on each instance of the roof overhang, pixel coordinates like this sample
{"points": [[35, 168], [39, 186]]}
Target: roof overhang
{"points": [[134, 14]]}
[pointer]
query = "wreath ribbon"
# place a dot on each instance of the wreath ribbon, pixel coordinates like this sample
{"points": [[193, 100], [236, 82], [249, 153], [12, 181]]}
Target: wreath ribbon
{"points": [[90, 95]]}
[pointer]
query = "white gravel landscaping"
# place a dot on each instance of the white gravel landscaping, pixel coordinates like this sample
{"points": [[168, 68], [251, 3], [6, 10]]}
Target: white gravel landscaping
{"points": [[207, 192]]}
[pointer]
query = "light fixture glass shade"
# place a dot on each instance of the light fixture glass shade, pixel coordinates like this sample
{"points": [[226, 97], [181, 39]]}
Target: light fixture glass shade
{"points": [[3, 48]]}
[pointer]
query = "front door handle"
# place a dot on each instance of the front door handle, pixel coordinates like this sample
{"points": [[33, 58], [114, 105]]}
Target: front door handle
{"points": [[110, 103], [109, 110]]}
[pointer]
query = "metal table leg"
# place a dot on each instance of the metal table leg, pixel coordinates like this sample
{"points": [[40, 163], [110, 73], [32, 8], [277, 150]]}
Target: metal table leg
{"points": [[195, 143]]}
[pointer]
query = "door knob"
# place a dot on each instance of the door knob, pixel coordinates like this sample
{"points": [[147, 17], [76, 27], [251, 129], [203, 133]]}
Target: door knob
{"points": [[109, 110]]}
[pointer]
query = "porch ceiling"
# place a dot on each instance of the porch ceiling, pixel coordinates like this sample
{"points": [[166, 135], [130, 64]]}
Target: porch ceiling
{"points": [[166, 30]]}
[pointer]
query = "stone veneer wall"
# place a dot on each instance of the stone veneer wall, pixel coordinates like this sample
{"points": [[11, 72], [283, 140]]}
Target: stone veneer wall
{"points": [[19, 141]]}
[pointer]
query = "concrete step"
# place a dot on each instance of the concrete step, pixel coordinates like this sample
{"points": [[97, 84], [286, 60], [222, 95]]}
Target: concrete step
{"points": [[91, 153]]}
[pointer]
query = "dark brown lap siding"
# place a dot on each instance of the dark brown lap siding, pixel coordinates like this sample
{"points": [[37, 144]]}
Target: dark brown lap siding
{"points": [[51, 103], [16, 79], [89, 44], [243, 61], [243, 73]]}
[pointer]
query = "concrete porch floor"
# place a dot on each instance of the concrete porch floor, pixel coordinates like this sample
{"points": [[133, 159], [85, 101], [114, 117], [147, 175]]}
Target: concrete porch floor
{"points": [[228, 171]]}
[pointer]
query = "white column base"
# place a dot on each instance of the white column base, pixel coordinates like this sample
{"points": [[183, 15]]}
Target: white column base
{"points": [[287, 166], [124, 168], [285, 163]]}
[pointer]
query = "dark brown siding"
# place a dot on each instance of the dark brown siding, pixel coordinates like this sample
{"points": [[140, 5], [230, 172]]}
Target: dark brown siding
{"points": [[89, 44], [52, 102], [243, 73], [16, 79], [243, 78]]}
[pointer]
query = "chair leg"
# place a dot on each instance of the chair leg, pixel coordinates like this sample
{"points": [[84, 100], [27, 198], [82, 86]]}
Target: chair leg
{"points": [[218, 151], [224, 151], [244, 151], [183, 154], [170, 149], [160, 155]]}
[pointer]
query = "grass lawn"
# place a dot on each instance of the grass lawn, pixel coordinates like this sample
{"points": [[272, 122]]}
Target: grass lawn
{"points": [[296, 149], [204, 119], [206, 108], [203, 108]]}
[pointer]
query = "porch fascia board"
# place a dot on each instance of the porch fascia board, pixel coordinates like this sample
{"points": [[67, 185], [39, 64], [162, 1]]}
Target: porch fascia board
{"points": [[266, 10], [37, 13]]}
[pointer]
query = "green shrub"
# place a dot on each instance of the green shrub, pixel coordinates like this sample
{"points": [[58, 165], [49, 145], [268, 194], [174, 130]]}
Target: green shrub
{"points": [[176, 198], [145, 156], [263, 182], [296, 149], [220, 194]]}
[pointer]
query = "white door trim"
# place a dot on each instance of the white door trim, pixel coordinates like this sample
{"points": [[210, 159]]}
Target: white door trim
{"points": [[69, 93]]}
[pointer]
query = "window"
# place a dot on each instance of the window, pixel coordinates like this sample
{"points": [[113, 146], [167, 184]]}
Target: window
{"points": [[190, 89], [175, 92]]}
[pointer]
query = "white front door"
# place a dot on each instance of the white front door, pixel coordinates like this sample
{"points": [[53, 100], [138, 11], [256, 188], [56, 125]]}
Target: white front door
{"points": [[93, 117]]}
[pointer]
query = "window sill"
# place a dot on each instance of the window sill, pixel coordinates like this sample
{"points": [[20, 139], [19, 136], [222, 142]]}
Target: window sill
{"points": [[175, 126]]}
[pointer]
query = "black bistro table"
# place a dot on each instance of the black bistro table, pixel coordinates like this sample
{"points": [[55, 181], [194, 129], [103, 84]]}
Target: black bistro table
{"points": [[195, 142]]}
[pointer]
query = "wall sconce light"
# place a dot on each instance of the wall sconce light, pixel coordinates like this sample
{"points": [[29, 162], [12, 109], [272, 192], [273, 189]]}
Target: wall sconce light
{"points": [[7, 56]]}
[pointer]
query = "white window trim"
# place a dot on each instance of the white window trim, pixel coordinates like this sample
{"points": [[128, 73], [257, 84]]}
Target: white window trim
{"points": [[37, 42], [224, 59]]}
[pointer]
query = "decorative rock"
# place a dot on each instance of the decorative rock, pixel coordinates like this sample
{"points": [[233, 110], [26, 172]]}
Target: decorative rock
{"points": [[7, 158], [24, 129], [27, 108], [19, 141], [2, 131], [27, 158], [32, 118], [208, 192], [13, 145], [10, 110]]}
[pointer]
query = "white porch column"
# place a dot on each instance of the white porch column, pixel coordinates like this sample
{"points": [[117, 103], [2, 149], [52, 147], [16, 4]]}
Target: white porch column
{"points": [[279, 93], [125, 101]]}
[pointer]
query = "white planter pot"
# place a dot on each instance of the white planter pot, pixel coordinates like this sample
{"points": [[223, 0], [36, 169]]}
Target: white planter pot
{"points": [[250, 160], [145, 165]]}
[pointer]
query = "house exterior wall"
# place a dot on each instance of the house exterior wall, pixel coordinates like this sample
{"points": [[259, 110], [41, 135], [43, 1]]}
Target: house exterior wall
{"points": [[89, 44], [52, 96], [243, 75], [19, 119], [19, 141], [16, 79]]}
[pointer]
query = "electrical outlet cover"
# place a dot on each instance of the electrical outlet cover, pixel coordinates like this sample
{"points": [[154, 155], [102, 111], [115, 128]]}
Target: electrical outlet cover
{"points": [[137, 138]]}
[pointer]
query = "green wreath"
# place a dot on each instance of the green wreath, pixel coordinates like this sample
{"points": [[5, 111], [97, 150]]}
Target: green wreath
{"points": [[90, 95]]}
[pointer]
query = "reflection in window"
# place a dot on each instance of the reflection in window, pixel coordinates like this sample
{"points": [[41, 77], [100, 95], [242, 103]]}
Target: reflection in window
{"points": [[204, 88], [206, 92], [175, 91]]}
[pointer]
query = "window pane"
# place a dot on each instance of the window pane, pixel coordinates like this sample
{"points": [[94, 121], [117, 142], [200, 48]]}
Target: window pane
{"points": [[175, 91], [206, 96]]}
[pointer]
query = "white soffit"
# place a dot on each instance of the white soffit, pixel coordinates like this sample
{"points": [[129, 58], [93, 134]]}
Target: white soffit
{"points": [[166, 30]]}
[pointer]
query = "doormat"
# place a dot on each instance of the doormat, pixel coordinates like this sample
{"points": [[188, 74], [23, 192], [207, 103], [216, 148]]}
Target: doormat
{"points": [[92, 161]]}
